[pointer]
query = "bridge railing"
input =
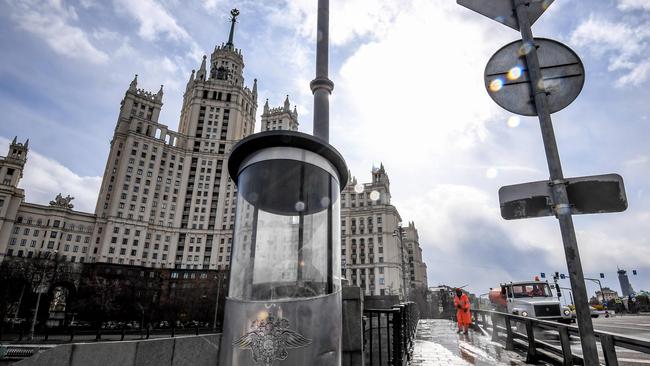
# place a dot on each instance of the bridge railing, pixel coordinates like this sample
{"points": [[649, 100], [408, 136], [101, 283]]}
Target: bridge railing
{"points": [[389, 334], [518, 331]]}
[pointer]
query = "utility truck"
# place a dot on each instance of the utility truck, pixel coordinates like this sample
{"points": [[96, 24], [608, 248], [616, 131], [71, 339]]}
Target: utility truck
{"points": [[529, 299]]}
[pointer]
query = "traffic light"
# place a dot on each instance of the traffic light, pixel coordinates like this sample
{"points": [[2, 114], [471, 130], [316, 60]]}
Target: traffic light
{"points": [[543, 275], [557, 275], [634, 272], [602, 275], [562, 276], [557, 289]]}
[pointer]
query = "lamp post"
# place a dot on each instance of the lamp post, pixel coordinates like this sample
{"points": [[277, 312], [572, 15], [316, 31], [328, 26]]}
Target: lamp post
{"points": [[39, 282], [601, 288], [284, 298], [220, 276]]}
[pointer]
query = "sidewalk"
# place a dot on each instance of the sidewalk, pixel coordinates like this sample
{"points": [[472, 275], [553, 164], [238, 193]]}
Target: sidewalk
{"points": [[437, 343]]}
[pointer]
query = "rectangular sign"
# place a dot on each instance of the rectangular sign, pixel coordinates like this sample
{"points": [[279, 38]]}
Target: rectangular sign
{"points": [[587, 195]]}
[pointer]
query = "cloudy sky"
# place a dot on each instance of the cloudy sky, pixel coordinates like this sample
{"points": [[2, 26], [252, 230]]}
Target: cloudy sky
{"points": [[409, 93]]}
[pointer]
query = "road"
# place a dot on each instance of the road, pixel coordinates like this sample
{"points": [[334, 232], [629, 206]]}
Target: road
{"points": [[637, 326]]}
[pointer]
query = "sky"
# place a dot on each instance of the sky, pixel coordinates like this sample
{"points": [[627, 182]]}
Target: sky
{"points": [[408, 93]]}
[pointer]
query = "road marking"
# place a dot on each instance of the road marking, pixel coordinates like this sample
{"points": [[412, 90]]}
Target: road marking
{"points": [[632, 360], [621, 327]]}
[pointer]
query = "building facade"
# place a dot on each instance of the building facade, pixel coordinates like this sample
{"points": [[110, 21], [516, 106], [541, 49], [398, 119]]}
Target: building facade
{"points": [[280, 118], [606, 295], [377, 254], [166, 199]]}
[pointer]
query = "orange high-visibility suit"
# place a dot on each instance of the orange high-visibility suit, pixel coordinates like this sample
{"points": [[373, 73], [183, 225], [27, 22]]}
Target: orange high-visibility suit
{"points": [[463, 315]]}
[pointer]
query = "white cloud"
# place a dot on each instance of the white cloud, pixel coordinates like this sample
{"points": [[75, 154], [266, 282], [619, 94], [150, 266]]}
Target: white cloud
{"points": [[625, 45], [44, 178], [153, 19], [348, 19], [634, 4], [51, 21]]}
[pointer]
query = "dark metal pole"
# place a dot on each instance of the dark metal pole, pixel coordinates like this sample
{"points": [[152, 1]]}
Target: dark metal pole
{"points": [[216, 303], [560, 198], [322, 86]]}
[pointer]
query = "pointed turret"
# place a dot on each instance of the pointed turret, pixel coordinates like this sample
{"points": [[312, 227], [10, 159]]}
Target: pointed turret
{"points": [[27, 144], [16, 137], [266, 107], [287, 106], [134, 84], [295, 112], [255, 89], [159, 95], [201, 74]]}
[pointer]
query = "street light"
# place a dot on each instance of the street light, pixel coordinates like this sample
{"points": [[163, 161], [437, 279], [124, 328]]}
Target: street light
{"points": [[601, 288], [38, 284], [284, 300]]}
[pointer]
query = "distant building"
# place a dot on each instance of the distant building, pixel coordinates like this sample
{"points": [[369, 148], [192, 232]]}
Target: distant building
{"points": [[607, 295], [372, 255], [626, 287], [280, 118]]}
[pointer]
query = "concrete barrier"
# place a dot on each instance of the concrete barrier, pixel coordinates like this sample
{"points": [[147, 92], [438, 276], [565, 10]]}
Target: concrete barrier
{"points": [[200, 350]]}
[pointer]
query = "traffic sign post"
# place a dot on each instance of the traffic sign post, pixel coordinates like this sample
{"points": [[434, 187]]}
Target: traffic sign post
{"points": [[540, 77], [587, 195]]}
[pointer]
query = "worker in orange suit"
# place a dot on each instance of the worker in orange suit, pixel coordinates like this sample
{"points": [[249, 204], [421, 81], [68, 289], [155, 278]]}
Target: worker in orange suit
{"points": [[463, 315]]}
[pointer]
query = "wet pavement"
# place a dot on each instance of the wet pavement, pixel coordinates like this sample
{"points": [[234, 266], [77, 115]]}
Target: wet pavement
{"points": [[438, 344]]}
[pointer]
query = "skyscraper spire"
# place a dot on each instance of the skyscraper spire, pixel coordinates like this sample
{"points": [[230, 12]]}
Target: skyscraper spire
{"points": [[234, 13]]}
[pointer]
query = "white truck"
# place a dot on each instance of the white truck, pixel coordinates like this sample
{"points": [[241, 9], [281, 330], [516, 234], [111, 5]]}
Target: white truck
{"points": [[529, 299]]}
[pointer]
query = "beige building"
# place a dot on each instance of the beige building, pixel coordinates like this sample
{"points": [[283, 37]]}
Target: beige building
{"points": [[166, 199], [417, 269], [280, 118], [372, 255]]}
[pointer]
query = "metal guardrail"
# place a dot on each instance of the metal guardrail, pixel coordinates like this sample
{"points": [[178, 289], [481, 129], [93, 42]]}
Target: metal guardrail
{"points": [[78, 334], [388, 334], [540, 350]]}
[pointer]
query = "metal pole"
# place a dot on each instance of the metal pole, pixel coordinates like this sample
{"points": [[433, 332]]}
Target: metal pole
{"points": [[216, 304], [322, 86], [33, 326], [558, 185]]}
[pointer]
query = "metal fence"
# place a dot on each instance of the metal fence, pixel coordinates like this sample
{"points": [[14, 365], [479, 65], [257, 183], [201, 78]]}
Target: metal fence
{"points": [[504, 326], [388, 334]]}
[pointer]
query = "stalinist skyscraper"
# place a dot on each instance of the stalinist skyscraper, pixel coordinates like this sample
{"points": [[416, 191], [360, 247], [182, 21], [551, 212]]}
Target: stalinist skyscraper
{"points": [[166, 199]]}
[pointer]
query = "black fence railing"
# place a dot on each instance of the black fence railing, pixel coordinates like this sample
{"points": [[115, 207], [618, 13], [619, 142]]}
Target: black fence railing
{"points": [[388, 334], [519, 332]]}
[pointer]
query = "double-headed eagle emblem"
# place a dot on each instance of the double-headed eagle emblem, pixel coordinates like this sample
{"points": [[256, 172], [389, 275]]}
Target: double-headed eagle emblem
{"points": [[269, 340]]}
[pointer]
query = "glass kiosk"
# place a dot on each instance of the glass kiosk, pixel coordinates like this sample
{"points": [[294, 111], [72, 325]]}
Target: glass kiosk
{"points": [[284, 303]]}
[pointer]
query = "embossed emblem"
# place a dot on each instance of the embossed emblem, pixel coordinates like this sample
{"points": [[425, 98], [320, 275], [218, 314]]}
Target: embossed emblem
{"points": [[269, 339]]}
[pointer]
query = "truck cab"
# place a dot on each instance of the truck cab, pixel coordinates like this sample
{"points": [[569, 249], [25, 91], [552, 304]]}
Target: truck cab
{"points": [[530, 299]]}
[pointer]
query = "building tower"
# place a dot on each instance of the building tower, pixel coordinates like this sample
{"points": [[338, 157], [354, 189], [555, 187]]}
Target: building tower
{"points": [[626, 287], [280, 118], [11, 171], [166, 200], [371, 256]]}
